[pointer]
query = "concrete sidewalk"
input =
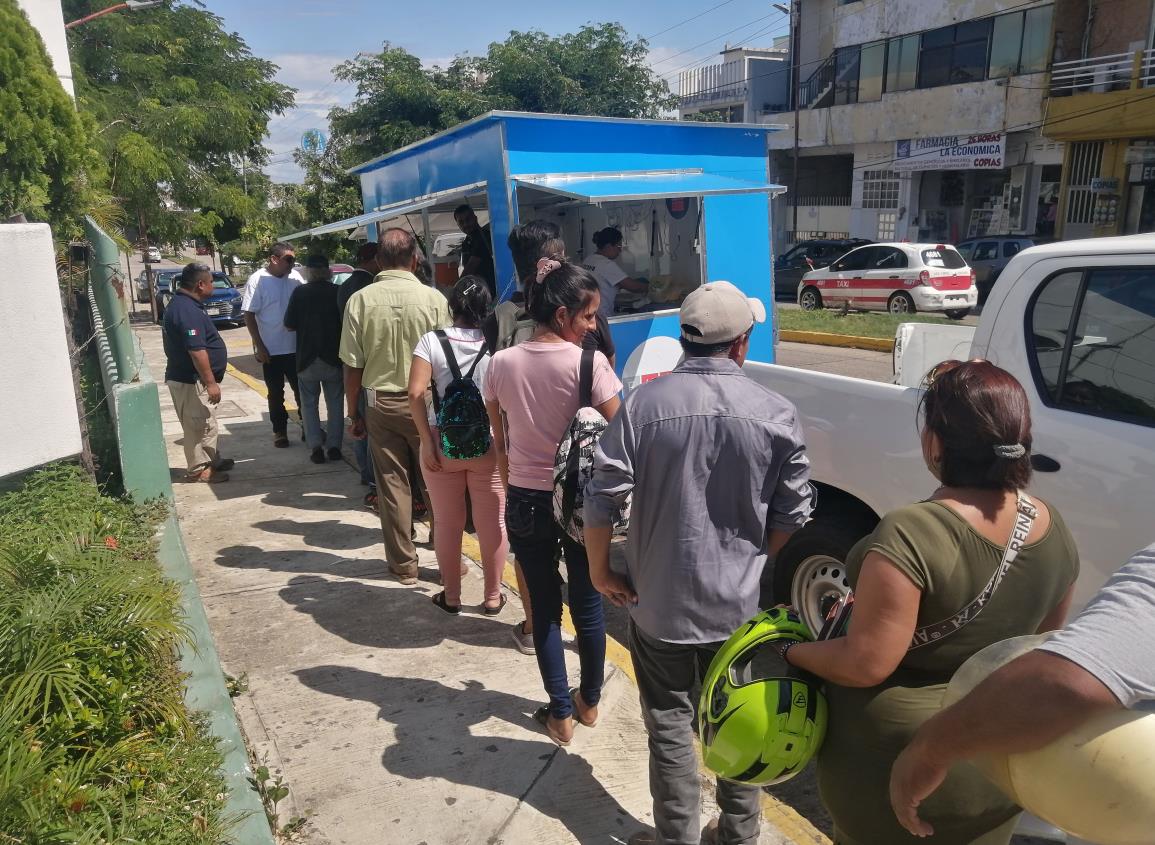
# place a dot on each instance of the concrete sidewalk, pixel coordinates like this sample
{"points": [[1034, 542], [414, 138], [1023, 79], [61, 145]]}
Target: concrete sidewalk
{"points": [[391, 721]]}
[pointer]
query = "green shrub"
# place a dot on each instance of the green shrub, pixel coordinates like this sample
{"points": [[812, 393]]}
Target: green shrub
{"points": [[95, 742]]}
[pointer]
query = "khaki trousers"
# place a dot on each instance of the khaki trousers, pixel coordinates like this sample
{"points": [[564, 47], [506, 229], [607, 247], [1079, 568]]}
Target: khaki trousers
{"points": [[396, 447], [199, 423]]}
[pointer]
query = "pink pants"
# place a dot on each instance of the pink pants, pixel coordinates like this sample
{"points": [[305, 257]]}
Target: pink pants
{"points": [[487, 496]]}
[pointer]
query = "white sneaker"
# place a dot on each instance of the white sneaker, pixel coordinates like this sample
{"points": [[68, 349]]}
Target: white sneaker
{"points": [[522, 640]]}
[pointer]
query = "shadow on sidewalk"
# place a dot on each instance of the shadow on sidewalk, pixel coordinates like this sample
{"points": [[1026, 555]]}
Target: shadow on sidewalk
{"points": [[440, 733], [334, 534], [389, 617]]}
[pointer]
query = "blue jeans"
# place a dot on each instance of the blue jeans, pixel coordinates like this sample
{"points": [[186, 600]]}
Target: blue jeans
{"points": [[538, 543], [312, 380], [361, 449]]}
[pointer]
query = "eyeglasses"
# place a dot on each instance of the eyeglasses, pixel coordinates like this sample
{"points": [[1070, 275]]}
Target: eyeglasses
{"points": [[289, 259]]}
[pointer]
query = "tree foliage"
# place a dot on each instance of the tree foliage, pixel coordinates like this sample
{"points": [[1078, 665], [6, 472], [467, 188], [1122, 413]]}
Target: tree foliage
{"points": [[598, 70], [42, 139], [180, 106]]}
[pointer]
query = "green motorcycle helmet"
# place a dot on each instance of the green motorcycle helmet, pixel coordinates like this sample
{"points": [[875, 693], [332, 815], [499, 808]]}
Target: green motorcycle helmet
{"points": [[759, 720]]}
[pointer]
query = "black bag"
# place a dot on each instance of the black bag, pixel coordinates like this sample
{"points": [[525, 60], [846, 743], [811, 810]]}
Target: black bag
{"points": [[461, 416]]}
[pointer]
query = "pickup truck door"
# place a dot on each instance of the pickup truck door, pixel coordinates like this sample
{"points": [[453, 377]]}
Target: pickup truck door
{"points": [[1085, 352]]}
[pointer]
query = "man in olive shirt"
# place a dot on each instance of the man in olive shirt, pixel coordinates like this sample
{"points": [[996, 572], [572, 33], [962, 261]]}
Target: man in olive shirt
{"points": [[382, 324]]}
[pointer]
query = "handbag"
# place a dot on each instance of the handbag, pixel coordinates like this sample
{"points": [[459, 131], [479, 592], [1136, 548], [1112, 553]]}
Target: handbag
{"points": [[838, 619]]}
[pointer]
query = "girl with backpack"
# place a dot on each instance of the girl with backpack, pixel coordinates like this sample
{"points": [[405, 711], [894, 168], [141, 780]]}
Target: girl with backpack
{"points": [[457, 451], [533, 389]]}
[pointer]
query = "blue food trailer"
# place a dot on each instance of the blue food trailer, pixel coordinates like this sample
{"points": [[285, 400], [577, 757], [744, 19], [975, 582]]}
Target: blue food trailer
{"points": [[691, 199]]}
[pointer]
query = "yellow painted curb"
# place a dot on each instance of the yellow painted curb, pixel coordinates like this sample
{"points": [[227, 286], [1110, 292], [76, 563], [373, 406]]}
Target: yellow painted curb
{"points": [[784, 817], [876, 344], [252, 383]]}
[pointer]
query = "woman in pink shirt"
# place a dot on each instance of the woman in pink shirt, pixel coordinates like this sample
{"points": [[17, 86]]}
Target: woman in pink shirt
{"points": [[533, 388]]}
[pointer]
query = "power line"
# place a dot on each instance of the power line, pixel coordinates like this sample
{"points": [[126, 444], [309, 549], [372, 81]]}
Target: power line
{"points": [[687, 20], [715, 38]]}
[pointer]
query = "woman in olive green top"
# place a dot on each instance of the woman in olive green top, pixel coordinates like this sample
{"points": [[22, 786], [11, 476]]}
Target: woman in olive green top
{"points": [[923, 564]]}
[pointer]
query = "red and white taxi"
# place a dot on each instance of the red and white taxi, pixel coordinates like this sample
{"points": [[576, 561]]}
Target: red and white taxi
{"points": [[897, 277]]}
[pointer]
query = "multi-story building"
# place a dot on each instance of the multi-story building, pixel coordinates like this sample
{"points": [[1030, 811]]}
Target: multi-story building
{"points": [[745, 87], [1102, 106]]}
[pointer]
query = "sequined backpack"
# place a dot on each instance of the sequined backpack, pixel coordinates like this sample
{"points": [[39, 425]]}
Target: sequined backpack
{"points": [[461, 416]]}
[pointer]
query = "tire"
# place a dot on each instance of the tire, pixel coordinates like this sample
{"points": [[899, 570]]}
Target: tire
{"points": [[957, 313], [810, 571], [900, 303], [810, 299]]}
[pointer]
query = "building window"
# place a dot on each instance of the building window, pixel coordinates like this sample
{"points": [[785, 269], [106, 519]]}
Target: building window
{"points": [[955, 54], [879, 189], [1036, 40], [1020, 43], [902, 63], [871, 67], [846, 65], [888, 226]]}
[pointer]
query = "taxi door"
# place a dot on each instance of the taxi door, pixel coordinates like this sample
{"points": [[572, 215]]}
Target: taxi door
{"points": [[846, 277]]}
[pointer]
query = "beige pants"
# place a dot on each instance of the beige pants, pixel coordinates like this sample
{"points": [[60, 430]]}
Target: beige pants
{"points": [[199, 423], [395, 446]]}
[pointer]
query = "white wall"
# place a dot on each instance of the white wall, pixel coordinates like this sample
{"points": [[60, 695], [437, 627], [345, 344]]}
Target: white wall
{"points": [[863, 21], [47, 17], [38, 416]]}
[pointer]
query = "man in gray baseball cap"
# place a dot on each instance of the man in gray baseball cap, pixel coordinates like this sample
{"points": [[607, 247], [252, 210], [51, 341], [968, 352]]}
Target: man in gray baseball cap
{"points": [[720, 480]]}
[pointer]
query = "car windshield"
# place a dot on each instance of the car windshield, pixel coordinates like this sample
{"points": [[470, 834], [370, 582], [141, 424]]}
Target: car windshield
{"points": [[943, 256], [221, 282]]}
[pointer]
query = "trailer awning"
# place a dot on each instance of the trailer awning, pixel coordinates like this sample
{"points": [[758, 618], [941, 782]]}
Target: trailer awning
{"points": [[388, 212], [610, 187]]}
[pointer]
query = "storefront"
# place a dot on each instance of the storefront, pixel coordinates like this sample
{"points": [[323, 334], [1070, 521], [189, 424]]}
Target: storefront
{"points": [[691, 199], [1140, 216]]}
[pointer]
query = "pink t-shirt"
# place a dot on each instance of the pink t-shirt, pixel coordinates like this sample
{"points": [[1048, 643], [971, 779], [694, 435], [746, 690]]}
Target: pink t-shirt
{"points": [[537, 386]]}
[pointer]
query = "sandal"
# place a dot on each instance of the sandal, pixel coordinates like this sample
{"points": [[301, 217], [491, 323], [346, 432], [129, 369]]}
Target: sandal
{"points": [[494, 611], [371, 501], [439, 600], [542, 717], [575, 694]]}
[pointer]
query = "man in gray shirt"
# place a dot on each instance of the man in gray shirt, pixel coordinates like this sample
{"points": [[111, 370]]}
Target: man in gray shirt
{"points": [[1103, 660], [720, 479]]}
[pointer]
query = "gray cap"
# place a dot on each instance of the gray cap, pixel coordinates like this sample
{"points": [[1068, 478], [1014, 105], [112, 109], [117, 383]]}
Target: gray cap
{"points": [[716, 312]]}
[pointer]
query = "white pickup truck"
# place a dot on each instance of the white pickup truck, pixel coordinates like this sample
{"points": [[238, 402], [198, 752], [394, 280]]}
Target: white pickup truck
{"points": [[1075, 323]]}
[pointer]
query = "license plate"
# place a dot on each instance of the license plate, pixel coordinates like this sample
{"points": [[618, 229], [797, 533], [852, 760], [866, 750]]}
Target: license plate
{"points": [[216, 312]]}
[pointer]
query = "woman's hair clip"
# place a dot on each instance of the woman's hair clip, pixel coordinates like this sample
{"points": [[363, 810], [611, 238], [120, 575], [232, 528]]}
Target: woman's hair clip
{"points": [[1011, 450], [545, 266]]}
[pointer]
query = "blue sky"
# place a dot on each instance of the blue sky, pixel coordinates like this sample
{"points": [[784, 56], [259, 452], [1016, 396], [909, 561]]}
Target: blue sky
{"points": [[306, 38]]}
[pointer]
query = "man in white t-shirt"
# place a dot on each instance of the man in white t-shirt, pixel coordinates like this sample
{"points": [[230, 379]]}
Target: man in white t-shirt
{"points": [[266, 299], [604, 265]]}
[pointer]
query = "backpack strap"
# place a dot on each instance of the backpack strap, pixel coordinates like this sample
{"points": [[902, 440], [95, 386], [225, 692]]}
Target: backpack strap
{"points": [[586, 379], [480, 354], [450, 359]]}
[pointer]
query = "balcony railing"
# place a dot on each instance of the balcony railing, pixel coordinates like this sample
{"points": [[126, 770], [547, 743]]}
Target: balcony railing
{"points": [[1117, 72], [713, 83]]}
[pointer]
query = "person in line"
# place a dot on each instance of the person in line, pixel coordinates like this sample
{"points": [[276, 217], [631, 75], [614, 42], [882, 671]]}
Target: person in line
{"points": [[933, 585], [448, 479], [367, 269], [382, 325], [531, 395], [314, 317], [1102, 661], [196, 358], [266, 297], [604, 265], [701, 531], [477, 248]]}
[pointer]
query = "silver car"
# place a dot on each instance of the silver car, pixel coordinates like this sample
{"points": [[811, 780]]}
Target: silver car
{"points": [[989, 256]]}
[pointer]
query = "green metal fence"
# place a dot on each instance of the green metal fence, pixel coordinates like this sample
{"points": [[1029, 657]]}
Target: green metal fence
{"points": [[134, 405]]}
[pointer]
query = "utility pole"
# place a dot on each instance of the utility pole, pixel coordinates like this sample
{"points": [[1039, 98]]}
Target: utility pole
{"points": [[795, 12]]}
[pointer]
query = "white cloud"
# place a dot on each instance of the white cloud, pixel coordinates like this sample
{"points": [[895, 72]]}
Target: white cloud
{"points": [[317, 92]]}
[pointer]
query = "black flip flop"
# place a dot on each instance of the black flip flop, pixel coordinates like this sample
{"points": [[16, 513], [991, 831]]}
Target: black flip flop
{"points": [[494, 611], [439, 600]]}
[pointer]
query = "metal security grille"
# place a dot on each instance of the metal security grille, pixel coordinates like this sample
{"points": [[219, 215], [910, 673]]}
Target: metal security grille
{"points": [[1086, 159]]}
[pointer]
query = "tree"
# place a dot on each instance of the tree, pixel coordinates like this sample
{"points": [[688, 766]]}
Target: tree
{"points": [[598, 70], [42, 139], [180, 107]]}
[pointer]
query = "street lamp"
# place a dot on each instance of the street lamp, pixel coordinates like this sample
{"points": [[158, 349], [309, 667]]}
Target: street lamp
{"points": [[128, 5]]}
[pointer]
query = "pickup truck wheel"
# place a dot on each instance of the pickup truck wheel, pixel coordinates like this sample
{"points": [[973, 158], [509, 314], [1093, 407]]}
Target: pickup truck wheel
{"points": [[900, 303], [810, 572], [810, 300], [957, 313]]}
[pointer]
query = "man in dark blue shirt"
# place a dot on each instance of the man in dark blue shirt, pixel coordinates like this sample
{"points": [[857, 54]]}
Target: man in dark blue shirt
{"points": [[197, 358]]}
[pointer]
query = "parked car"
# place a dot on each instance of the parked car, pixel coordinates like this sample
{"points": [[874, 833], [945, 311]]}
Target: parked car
{"points": [[141, 286], [152, 255], [989, 256], [790, 267], [900, 278], [1073, 322], [341, 272], [223, 306]]}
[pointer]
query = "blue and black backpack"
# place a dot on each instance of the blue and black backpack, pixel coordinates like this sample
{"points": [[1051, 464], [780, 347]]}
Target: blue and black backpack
{"points": [[460, 414]]}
